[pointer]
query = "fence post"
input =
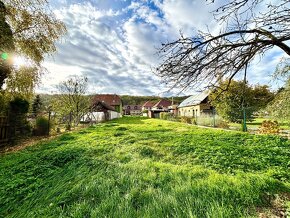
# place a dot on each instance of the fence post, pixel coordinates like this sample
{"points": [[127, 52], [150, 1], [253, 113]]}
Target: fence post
{"points": [[48, 127], [213, 113]]}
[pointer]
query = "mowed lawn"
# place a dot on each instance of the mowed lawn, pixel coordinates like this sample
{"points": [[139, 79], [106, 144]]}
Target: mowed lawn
{"points": [[137, 167]]}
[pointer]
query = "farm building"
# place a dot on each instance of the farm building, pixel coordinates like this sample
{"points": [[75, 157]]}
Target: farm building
{"points": [[147, 105], [100, 112], [112, 100], [161, 106], [196, 105]]}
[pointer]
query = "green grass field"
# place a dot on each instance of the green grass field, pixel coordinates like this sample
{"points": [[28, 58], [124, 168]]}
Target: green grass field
{"points": [[137, 167], [256, 123]]}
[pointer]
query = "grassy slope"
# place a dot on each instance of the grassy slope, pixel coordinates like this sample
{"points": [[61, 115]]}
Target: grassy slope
{"points": [[135, 167], [256, 123]]}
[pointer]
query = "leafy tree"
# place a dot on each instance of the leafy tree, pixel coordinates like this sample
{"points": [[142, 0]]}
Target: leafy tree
{"points": [[248, 28], [229, 104], [6, 44], [34, 29], [18, 108], [279, 108], [21, 82], [72, 100]]}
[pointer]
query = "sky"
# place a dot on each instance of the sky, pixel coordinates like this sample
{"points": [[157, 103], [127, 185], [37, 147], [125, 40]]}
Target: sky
{"points": [[114, 44]]}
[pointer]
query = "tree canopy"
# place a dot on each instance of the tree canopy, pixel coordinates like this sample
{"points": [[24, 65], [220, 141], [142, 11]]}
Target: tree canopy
{"points": [[279, 108], [31, 27], [248, 28], [72, 99], [230, 104]]}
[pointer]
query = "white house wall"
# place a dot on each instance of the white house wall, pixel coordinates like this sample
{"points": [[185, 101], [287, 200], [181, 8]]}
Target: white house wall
{"points": [[113, 115], [190, 111]]}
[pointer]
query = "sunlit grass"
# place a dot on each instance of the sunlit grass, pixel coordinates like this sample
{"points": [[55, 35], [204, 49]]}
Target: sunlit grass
{"points": [[136, 167]]}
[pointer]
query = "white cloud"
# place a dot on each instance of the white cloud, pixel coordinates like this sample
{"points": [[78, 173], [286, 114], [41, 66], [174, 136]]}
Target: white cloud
{"points": [[115, 47]]}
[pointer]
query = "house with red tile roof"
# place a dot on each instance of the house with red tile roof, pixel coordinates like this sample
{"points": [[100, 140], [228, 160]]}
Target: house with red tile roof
{"points": [[147, 105], [162, 105], [111, 100]]}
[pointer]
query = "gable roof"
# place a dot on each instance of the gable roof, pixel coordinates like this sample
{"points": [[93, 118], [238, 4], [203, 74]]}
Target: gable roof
{"points": [[194, 99], [148, 104], [163, 103], [99, 105], [109, 99]]}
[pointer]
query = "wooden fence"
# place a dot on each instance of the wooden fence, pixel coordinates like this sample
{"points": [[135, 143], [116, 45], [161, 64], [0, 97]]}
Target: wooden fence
{"points": [[3, 130]]}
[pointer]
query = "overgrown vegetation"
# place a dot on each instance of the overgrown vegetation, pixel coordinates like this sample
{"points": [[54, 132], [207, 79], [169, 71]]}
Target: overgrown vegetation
{"points": [[138, 167], [229, 104]]}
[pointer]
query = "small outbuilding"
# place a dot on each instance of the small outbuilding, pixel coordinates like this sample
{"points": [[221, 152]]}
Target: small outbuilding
{"points": [[196, 105]]}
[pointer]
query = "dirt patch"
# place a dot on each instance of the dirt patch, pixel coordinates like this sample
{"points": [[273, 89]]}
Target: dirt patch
{"points": [[277, 209], [23, 143]]}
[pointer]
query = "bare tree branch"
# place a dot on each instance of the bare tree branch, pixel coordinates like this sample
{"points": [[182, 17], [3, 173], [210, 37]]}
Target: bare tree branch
{"points": [[207, 58]]}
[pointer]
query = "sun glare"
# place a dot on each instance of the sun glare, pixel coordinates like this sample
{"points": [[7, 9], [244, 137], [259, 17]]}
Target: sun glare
{"points": [[19, 61]]}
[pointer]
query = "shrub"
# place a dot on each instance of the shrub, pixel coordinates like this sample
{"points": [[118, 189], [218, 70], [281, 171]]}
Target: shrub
{"points": [[223, 124], [42, 126], [162, 115], [168, 116], [269, 127], [185, 119], [204, 120]]}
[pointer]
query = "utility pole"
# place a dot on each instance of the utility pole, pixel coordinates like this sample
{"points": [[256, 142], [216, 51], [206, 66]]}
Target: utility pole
{"points": [[244, 124]]}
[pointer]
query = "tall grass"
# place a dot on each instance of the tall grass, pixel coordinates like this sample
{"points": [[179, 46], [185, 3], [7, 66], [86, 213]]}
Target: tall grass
{"points": [[137, 167]]}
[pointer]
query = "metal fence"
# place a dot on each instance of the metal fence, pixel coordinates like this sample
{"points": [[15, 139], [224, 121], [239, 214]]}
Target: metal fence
{"points": [[4, 128]]}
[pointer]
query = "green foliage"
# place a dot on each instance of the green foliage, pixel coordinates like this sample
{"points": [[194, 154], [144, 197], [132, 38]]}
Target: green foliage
{"points": [[36, 26], [36, 105], [185, 119], [21, 82], [229, 103], [6, 45], [72, 102], [269, 127], [163, 115], [42, 126], [279, 108], [155, 169], [223, 124], [19, 106]]}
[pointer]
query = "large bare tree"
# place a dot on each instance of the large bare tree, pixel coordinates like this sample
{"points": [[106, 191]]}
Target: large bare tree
{"points": [[248, 28]]}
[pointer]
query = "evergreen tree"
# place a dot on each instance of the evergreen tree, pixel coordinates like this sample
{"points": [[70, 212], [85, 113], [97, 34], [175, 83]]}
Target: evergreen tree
{"points": [[36, 105]]}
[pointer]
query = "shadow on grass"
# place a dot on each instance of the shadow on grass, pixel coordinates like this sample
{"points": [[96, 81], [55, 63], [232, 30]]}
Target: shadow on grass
{"points": [[67, 183]]}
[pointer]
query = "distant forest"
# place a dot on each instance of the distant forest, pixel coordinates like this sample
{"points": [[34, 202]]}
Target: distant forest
{"points": [[139, 100], [126, 99]]}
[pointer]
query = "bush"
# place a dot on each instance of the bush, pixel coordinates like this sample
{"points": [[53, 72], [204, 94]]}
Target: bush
{"points": [[162, 115], [184, 119], [168, 116], [42, 126], [214, 121], [223, 124], [205, 120], [269, 127]]}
